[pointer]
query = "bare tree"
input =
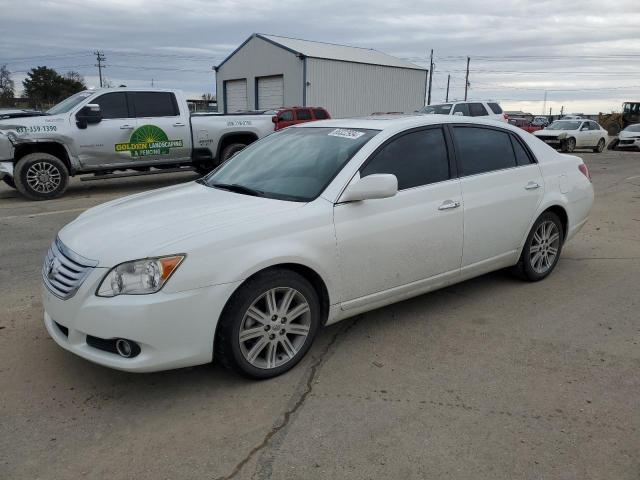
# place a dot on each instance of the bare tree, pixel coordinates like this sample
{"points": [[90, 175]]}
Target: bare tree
{"points": [[6, 87]]}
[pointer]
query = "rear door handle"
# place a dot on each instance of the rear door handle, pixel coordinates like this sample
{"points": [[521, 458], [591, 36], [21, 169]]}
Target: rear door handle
{"points": [[532, 185], [448, 204], [126, 127], [178, 124]]}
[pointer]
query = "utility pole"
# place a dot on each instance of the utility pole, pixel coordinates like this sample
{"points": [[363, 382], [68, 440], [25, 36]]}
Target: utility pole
{"points": [[430, 78], [100, 58], [152, 83], [562, 110], [544, 103], [448, 80], [550, 110], [466, 79]]}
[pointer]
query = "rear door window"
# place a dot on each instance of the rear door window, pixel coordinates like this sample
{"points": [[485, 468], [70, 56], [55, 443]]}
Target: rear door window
{"points": [[155, 104], [522, 157], [320, 114], [477, 110], [481, 150], [303, 114], [416, 159]]}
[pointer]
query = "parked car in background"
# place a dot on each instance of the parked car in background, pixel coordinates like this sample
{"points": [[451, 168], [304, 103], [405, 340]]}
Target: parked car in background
{"points": [[524, 124], [286, 116], [540, 121], [568, 135], [571, 117], [491, 110], [629, 138], [112, 130], [305, 227]]}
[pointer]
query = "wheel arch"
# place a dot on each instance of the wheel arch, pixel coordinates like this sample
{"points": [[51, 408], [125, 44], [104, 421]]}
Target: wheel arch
{"points": [[562, 214], [245, 137], [52, 148]]}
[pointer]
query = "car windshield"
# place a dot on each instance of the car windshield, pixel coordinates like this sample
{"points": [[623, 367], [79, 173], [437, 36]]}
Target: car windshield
{"points": [[294, 164], [443, 109], [633, 128], [564, 125], [68, 103]]}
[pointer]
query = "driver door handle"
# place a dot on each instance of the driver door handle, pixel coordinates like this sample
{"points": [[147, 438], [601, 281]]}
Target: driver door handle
{"points": [[178, 124], [532, 185], [448, 204], [126, 127]]}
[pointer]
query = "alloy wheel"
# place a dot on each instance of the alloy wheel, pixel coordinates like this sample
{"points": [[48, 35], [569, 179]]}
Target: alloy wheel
{"points": [[544, 248], [43, 177], [275, 328]]}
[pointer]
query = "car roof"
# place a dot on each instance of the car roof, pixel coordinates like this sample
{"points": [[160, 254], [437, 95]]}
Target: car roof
{"points": [[404, 121]]}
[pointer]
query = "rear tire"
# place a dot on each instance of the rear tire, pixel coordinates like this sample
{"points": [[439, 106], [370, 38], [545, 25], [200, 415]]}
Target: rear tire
{"points": [[255, 338], [542, 248], [613, 144], [41, 176], [600, 147], [230, 150]]}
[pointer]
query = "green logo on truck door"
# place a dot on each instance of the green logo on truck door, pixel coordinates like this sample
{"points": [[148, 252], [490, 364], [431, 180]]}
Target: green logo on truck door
{"points": [[148, 140]]}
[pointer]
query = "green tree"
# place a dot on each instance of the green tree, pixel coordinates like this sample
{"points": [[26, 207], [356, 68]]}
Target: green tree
{"points": [[44, 86], [6, 87]]}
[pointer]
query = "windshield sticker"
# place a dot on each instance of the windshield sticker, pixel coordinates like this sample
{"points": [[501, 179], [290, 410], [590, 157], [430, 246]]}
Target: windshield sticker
{"points": [[148, 140], [345, 133]]}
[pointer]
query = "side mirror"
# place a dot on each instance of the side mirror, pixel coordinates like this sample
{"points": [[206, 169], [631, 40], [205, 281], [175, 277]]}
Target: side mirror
{"points": [[459, 114], [584, 128], [380, 185], [90, 114], [274, 119]]}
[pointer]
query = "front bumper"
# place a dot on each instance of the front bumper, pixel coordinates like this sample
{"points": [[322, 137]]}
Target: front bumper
{"points": [[173, 329], [6, 168], [628, 143]]}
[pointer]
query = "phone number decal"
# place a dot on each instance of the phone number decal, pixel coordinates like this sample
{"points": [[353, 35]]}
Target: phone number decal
{"points": [[37, 129]]}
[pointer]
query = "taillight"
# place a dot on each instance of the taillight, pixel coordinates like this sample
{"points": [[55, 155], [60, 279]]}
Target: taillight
{"points": [[585, 171]]}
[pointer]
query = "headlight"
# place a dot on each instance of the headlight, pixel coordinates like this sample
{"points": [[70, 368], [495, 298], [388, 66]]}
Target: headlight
{"points": [[562, 135], [139, 277]]}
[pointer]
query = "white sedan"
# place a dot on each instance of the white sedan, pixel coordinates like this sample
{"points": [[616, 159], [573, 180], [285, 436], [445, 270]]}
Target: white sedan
{"points": [[629, 137], [306, 227], [568, 135]]}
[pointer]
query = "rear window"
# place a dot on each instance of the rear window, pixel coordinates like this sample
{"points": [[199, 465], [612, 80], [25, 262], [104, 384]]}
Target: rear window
{"points": [[304, 114], [155, 104], [483, 150], [495, 108], [320, 114]]}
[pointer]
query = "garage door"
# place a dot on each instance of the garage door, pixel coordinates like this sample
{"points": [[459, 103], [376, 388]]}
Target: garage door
{"points": [[235, 95], [270, 92]]}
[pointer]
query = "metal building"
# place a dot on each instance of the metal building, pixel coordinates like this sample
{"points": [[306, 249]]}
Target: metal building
{"points": [[269, 71]]}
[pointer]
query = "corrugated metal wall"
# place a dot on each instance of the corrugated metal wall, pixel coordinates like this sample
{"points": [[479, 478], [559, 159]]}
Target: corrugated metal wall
{"points": [[355, 89], [259, 58]]}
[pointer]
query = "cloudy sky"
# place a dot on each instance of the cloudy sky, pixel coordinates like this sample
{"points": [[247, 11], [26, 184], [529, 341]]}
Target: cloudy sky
{"points": [[585, 54]]}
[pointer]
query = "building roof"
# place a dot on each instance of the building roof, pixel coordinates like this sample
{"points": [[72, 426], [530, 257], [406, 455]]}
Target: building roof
{"points": [[331, 51]]}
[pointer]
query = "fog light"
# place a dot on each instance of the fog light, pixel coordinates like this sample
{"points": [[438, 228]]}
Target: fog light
{"points": [[124, 347]]}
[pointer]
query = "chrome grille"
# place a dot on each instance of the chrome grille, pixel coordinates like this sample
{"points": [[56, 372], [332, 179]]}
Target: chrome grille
{"points": [[64, 270]]}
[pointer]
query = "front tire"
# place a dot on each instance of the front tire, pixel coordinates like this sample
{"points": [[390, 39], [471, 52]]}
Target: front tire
{"points": [[268, 325], [542, 248], [41, 176], [569, 145], [600, 147]]}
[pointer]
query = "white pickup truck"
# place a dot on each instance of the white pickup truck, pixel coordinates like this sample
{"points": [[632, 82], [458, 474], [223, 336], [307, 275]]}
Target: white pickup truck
{"points": [[118, 132]]}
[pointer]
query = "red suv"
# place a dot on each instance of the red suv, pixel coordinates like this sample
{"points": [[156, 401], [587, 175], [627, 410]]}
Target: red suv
{"points": [[287, 116]]}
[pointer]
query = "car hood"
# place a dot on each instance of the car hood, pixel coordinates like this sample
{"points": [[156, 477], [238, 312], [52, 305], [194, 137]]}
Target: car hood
{"points": [[627, 135], [553, 133], [153, 223]]}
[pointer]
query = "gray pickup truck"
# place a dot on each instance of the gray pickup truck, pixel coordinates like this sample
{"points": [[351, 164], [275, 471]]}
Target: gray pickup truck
{"points": [[118, 132]]}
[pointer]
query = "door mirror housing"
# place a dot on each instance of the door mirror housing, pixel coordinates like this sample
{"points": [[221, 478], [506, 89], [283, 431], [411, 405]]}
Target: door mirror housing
{"points": [[90, 114], [380, 185], [459, 114]]}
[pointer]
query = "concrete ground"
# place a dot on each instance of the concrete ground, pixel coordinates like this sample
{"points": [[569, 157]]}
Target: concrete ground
{"points": [[490, 379]]}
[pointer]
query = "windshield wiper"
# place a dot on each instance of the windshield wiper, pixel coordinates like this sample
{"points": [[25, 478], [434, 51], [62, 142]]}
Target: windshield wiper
{"points": [[234, 187]]}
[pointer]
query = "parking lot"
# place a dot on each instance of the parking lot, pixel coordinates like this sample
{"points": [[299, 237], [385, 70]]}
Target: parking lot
{"points": [[490, 379]]}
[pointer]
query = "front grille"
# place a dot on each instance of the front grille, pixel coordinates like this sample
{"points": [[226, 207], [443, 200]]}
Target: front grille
{"points": [[627, 142], [547, 137], [64, 270]]}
